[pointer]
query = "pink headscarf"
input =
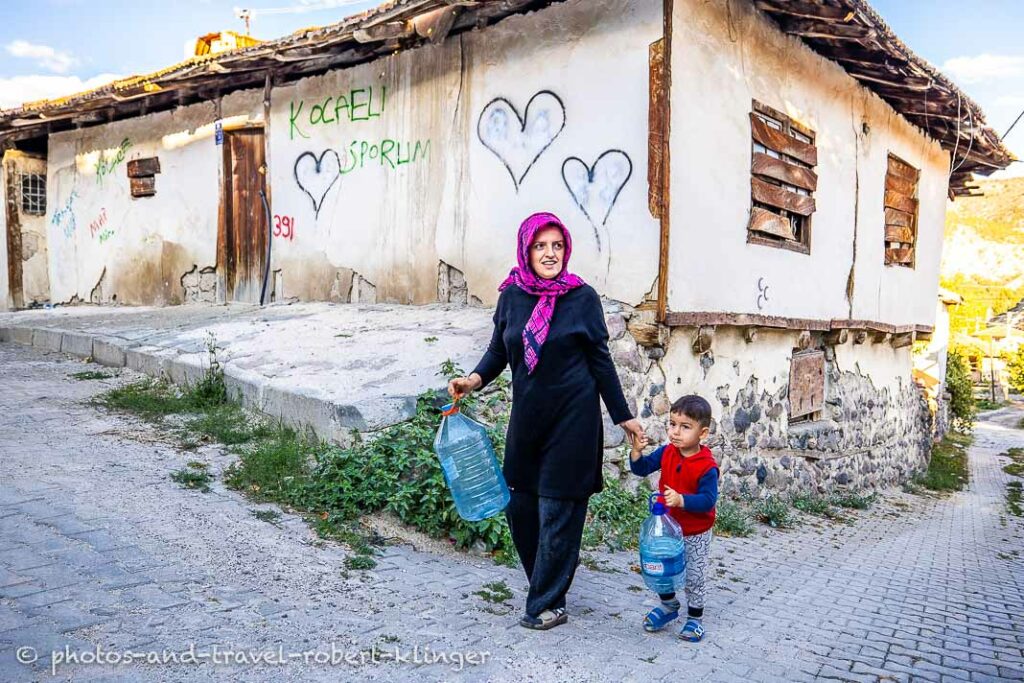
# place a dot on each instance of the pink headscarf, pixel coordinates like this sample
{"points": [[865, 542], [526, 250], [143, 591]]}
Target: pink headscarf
{"points": [[523, 277]]}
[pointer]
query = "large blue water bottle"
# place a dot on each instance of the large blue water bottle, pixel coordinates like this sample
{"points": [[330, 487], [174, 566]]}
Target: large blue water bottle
{"points": [[470, 466], [662, 551]]}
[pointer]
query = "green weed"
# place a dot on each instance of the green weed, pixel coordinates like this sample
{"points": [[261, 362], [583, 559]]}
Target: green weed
{"points": [[193, 478], [494, 592], [947, 467], [774, 511], [1014, 499], [1016, 467], [269, 515], [91, 374], [852, 500], [732, 519]]}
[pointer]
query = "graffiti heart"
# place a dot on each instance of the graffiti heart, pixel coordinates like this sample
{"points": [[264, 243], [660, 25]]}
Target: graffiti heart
{"points": [[317, 175], [596, 188], [518, 141]]}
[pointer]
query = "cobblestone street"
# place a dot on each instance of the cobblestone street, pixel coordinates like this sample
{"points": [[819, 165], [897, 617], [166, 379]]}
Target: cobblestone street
{"points": [[100, 549]]}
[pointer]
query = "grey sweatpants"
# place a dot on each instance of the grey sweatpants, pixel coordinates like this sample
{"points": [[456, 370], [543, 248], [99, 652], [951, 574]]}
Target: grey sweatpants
{"points": [[698, 554]]}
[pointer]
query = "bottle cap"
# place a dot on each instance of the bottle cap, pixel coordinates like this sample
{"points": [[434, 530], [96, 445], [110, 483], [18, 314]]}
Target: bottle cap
{"points": [[656, 502], [450, 409]]}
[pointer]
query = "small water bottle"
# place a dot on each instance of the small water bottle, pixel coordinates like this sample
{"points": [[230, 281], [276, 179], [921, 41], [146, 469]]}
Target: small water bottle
{"points": [[662, 551], [470, 467]]}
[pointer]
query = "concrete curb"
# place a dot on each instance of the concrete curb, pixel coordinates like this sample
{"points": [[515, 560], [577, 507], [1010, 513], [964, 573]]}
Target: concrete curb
{"points": [[296, 406]]}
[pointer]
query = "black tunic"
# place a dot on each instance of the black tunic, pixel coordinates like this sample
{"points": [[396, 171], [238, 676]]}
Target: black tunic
{"points": [[555, 433]]}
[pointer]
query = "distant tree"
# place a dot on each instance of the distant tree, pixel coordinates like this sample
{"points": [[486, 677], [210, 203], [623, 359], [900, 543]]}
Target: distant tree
{"points": [[958, 384], [1015, 368]]}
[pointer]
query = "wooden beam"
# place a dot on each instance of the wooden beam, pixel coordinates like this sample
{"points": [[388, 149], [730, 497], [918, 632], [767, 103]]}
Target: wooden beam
{"points": [[780, 197], [836, 337], [786, 172], [809, 28], [879, 337], [906, 82], [803, 340], [803, 8], [750, 334], [860, 336], [437, 24], [778, 141], [386, 31], [697, 319], [901, 340]]}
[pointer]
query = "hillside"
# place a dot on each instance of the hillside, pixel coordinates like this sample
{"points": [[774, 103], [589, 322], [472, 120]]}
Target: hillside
{"points": [[983, 253]]}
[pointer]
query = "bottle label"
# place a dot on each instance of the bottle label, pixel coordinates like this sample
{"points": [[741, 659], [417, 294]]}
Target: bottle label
{"points": [[663, 566]]}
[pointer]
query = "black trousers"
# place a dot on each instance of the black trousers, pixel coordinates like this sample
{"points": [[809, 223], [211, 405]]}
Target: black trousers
{"points": [[547, 533]]}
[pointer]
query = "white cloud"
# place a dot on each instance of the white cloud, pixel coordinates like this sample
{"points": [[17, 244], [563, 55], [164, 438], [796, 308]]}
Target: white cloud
{"points": [[984, 67], [44, 56], [17, 90]]}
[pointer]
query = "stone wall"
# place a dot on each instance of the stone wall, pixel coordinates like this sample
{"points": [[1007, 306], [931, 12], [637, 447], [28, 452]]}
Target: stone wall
{"points": [[867, 436]]}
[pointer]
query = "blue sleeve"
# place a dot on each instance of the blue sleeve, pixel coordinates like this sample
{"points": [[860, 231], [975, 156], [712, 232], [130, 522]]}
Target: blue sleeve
{"points": [[649, 463], [707, 493]]}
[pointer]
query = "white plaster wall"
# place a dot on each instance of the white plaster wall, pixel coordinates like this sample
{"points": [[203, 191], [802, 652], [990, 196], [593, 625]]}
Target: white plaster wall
{"points": [[143, 245], [358, 210], [594, 57], [726, 56], [458, 203]]}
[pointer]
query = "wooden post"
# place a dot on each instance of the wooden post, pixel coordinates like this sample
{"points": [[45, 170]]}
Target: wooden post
{"points": [[666, 124]]}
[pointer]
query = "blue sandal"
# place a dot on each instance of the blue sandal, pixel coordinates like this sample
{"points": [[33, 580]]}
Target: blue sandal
{"points": [[692, 631], [660, 617]]}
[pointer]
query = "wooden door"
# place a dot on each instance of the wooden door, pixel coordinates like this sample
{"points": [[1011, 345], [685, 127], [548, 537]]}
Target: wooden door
{"points": [[245, 225]]}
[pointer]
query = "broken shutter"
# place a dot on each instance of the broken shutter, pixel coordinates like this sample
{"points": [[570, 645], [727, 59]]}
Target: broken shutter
{"points": [[782, 179], [900, 212], [806, 384]]}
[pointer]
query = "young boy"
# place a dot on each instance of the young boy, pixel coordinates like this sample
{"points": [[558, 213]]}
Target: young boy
{"points": [[689, 482]]}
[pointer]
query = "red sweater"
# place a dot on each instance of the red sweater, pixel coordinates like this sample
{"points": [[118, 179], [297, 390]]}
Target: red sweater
{"points": [[681, 475]]}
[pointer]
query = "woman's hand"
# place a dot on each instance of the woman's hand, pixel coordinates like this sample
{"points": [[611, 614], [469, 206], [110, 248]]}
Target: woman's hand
{"points": [[461, 387], [634, 432]]}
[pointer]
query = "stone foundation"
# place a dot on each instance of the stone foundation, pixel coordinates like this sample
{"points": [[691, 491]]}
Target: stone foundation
{"points": [[866, 436]]}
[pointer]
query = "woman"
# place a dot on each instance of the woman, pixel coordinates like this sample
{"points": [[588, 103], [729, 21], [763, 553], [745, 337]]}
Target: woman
{"points": [[549, 326]]}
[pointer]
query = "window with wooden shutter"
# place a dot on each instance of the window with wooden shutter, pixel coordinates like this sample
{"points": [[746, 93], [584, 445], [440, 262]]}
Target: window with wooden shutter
{"points": [[782, 180], [900, 212]]}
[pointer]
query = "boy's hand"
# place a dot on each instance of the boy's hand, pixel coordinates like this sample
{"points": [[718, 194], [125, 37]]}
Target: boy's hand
{"points": [[640, 442], [673, 499]]}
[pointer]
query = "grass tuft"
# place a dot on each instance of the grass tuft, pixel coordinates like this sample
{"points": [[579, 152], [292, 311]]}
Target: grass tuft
{"points": [[732, 519]]}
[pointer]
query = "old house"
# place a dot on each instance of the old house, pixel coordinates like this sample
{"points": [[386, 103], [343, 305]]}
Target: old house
{"points": [[757, 188]]}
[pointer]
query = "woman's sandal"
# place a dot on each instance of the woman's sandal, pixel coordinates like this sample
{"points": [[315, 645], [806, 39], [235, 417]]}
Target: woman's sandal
{"points": [[658, 618], [549, 618], [692, 631]]}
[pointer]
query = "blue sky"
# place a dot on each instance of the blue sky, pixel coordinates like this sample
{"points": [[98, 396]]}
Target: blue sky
{"points": [[53, 47]]}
